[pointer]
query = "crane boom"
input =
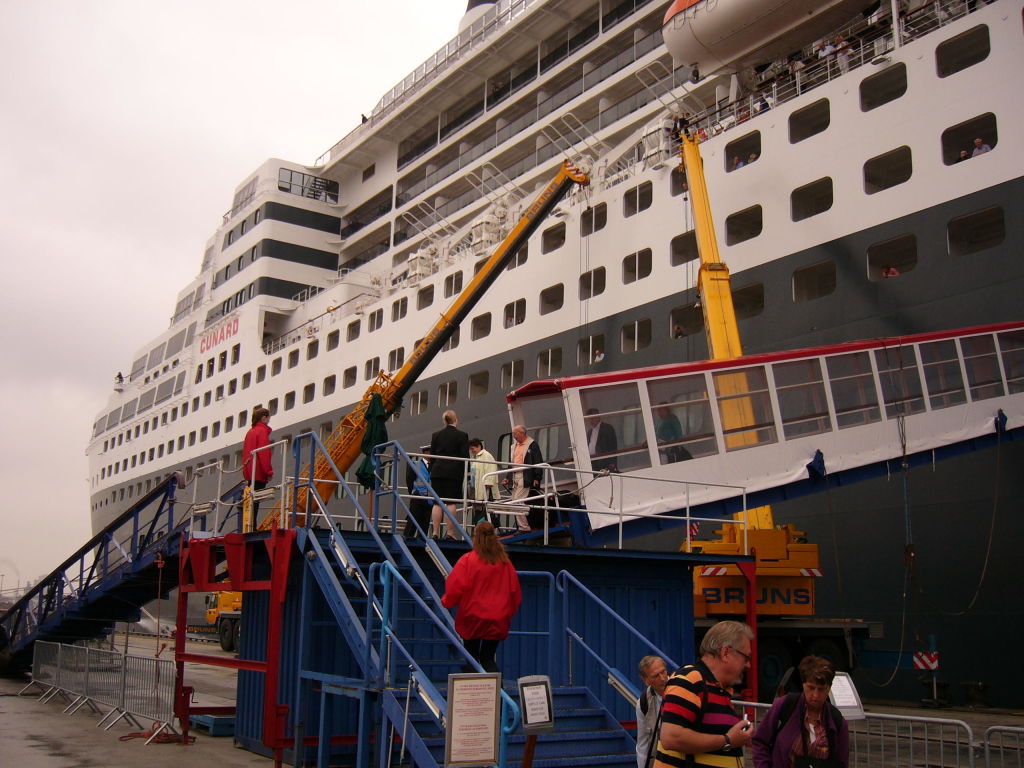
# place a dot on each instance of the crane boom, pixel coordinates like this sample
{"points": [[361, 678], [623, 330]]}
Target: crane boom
{"points": [[344, 443]]}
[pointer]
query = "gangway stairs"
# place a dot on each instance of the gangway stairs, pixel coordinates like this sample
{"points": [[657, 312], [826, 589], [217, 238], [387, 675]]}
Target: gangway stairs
{"points": [[718, 437], [353, 656]]}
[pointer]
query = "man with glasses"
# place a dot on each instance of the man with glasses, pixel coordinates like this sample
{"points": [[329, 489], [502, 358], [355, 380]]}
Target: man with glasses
{"points": [[698, 724]]}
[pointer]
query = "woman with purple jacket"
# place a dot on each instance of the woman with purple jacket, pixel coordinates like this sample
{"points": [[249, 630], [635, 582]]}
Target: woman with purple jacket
{"points": [[804, 729]]}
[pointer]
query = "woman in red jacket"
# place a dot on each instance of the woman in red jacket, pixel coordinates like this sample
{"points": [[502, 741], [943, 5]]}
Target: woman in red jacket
{"points": [[257, 469], [485, 586]]}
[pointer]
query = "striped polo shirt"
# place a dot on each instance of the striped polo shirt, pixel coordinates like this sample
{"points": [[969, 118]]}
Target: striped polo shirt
{"points": [[694, 699]]}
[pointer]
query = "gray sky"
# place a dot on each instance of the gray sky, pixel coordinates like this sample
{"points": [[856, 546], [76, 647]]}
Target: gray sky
{"points": [[125, 126]]}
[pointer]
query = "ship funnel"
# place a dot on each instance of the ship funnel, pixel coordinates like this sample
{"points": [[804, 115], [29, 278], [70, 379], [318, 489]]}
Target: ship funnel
{"points": [[475, 10]]}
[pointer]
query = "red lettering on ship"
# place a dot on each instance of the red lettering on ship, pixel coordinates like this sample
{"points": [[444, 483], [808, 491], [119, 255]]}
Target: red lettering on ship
{"points": [[217, 335]]}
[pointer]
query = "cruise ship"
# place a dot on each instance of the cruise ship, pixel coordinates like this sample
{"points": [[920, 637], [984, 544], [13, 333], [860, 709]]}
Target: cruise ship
{"points": [[862, 169]]}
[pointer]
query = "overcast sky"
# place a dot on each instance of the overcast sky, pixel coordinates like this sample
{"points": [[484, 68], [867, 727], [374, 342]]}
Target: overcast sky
{"points": [[125, 127]]}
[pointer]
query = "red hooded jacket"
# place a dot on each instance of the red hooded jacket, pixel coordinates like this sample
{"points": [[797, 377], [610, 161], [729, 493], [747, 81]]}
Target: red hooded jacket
{"points": [[488, 596], [257, 437]]}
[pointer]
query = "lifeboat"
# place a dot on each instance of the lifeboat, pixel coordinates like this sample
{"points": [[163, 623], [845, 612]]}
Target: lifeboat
{"points": [[715, 36]]}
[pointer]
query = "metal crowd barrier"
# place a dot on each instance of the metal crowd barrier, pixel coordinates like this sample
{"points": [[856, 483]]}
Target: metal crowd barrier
{"points": [[901, 741], [130, 686]]}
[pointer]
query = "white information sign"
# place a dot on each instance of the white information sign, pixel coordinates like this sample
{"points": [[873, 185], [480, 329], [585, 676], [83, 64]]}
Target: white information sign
{"points": [[474, 712], [535, 704], [845, 697]]}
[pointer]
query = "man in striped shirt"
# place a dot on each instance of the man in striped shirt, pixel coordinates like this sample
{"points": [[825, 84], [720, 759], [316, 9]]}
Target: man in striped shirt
{"points": [[698, 724]]}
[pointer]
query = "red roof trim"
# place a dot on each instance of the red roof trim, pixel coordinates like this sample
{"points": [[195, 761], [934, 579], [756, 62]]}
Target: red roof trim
{"points": [[553, 386], [678, 7]]}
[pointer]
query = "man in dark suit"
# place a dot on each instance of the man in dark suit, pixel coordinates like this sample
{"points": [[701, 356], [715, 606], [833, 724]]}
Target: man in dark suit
{"points": [[447, 476], [601, 440]]}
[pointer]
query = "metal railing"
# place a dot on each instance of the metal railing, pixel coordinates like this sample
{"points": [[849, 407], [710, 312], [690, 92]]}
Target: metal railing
{"points": [[131, 686]]}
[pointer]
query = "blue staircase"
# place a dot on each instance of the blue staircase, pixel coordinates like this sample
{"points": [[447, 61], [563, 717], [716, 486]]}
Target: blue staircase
{"points": [[382, 591]]}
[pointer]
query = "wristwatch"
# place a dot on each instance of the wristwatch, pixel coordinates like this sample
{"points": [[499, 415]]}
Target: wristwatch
{"points": [[727, 744]]}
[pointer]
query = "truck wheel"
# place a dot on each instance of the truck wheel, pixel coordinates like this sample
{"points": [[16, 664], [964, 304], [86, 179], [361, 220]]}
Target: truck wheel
{"points": [[831, 650], [773, 659], [226, 632]]}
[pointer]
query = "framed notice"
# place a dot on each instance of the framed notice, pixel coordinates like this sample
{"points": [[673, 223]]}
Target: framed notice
{"points": [[845, 698], [474, 720], [535, 704]]}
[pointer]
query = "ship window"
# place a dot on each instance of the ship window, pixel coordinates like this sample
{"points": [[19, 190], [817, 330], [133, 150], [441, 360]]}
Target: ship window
{"points": [[682, 418], [352, 332], [481, 326], [396, 358], [181, 447], [348, 378], [452, 342], [195, 407], [891, 258], [888, 170], [478, 383], [511, 374], [635, 335], [853, 389], [203, 434], [901, 383], [636, 266], [553, 238], [312, 349], [803, 407], [447, 394], [623, 445], [684, 248], [232, 386], [333, 340], [222, 361], [236, 353], [748, 301], [814, 281], [229, 424], [261, 373], [811, 199], [246, 380], [199, 374], [215, 429], [743, 225], [742, 151], [637, 199], [593, 219], [308, 393], [745, 408], [209, 367], [677, 182], [425, 297], [192, 438], [592, 283], [1012, 345], [809, 121], [242, 417], [418, 403], [399, 308], [963, 51], [207, 399], [958, 141], [982, 366], [184, 412], [293, 358], [590, 351], [515, 313], [942, 374], [520, 258], [369, 171], [452, 284], [976, 231], [330, 383], [275, 366], [375, 320], [272, 406], [549, 362], [551, 299], [370, 368], [686, 321], [888, 85]]}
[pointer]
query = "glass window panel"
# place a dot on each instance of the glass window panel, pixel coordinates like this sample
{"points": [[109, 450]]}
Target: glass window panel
{"points": [[982, 366], [681, 414], [621, 444], [853, 389], [803, 406], [942, 375], [901, 382], [745, 408], [1012, 345]]}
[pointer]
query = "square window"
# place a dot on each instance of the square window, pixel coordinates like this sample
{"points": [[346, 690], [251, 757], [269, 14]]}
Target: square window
{"points": [[371, 368], [399, 308], [637, 199], [308, 393], [743, 151], [275, 366], [515, 313], [272, 406], [453, 284], [809, 121], [968, 139], [891, 258], [425, 297], [511, 374], [396, 359], [888, 85], [447, 394], [481, 326], [375, 320], [811, 199], [635, 335], [590, 351], [976, 231], [593, 219], [814, 282], [963, 51], [453, 341], [743, 225], [418, 403], [551, 299], [348, 377], [636, 266], [353, 331], [333, 340], [592, 283], [329, 385], [312, 349], [246, 380], [888, 170], [478, 383], [549, 362], [553, 238]]}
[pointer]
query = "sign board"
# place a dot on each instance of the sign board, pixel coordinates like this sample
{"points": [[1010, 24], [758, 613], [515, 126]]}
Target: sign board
{"points": [[845, 698], [926, 660], [535, 703], [474, 720]]}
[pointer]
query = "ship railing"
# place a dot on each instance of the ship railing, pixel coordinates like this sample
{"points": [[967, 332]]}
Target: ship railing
{"points": [[903, 741], [281, 491], [1004, 746]]}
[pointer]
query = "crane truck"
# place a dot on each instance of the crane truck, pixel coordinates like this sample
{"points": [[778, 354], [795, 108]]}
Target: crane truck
{"points": [[786, 565], [344, 443]]}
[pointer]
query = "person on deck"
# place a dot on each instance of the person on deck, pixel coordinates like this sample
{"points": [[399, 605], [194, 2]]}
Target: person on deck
{"points": [[259, 469], [447, 476]]}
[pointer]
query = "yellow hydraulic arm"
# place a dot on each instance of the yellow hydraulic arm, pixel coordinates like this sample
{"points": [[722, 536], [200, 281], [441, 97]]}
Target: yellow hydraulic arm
{"points": [[714, 286], [344, 443]]}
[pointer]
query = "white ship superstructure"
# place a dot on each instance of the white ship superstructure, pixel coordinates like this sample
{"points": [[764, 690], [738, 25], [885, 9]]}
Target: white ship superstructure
{"points": [[823, 179]]}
